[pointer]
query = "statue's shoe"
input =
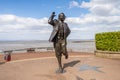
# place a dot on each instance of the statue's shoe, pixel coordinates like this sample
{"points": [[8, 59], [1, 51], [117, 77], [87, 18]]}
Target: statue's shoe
{"points": [[66, 56], [60, 70]]}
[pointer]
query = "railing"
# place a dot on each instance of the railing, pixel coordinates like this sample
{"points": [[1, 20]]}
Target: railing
{"points": [[29, 49]]}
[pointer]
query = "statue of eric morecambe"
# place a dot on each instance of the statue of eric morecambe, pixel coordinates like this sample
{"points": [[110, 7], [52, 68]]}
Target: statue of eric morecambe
{"points": [[59, 37]]}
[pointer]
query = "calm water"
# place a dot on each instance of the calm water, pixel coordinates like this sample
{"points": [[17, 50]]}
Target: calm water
{"points": [[77, 46]]}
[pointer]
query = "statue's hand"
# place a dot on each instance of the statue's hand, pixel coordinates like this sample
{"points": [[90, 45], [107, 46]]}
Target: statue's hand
{"points": [[53, 13]]}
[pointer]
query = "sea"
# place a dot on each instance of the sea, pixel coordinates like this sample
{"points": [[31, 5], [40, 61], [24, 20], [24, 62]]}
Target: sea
{"points": [[72, 45]]}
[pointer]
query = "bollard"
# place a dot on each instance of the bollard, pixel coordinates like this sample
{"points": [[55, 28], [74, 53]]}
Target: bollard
{"points": [[7, 56]]}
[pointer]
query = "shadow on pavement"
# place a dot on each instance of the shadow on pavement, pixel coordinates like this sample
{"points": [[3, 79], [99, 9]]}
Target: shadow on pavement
{"points": [[71, 64], [2, 63]]}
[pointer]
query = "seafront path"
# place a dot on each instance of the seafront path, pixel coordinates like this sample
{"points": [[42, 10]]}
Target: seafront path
{"points": [[43, 65]]}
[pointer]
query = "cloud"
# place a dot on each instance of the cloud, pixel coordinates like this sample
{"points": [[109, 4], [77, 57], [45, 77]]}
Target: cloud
{"points": [[102, 7], [12, 22], [87, 26], [14, 27], [94, 20], [99, 7], [94, 24], [74, 4], [103, 16]]}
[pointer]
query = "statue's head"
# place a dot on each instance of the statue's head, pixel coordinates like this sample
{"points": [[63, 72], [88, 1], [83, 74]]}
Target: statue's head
{"points": [[61, 16]]}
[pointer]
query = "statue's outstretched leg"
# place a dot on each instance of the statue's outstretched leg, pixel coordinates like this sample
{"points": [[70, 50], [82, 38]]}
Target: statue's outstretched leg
{"points": [[60, 70]]}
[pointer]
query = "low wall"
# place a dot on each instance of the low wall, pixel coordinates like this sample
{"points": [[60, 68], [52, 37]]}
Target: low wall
{"points": [[107, 54]]}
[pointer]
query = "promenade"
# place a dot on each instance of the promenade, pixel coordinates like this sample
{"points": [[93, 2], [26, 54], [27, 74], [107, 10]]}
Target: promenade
{"points": [[42, 66]]}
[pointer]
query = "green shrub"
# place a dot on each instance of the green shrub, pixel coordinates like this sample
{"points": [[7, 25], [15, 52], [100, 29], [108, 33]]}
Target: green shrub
{"points": [[108, 41]]}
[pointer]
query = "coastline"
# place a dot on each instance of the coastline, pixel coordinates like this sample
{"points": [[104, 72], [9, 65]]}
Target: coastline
{"points": [[21, 46]]}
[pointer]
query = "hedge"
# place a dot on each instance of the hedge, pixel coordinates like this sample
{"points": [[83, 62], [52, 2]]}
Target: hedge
{"points": [[108, 41]]}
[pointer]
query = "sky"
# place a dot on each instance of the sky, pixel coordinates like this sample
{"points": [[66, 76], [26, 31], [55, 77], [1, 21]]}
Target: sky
{"points": [[28, 19]]}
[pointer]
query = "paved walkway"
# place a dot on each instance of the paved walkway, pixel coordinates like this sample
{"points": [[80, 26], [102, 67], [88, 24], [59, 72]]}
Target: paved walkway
{"points": [[76, 68]]}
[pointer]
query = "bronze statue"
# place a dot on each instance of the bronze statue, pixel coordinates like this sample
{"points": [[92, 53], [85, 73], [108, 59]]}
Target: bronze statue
{"points": [[59, 37]]}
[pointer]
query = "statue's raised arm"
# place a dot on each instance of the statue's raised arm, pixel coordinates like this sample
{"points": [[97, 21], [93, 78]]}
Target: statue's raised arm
{"points": [[51, 19]]}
